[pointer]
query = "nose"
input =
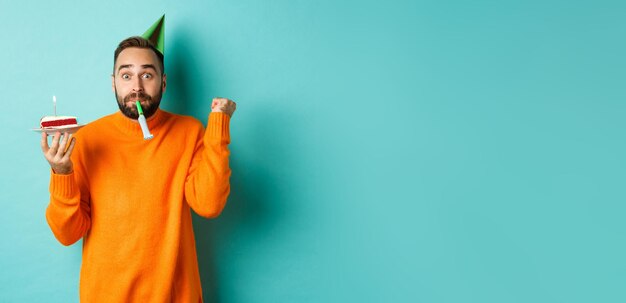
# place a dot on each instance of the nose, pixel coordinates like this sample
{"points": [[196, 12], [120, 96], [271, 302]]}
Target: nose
{"points": [[138, 85]]}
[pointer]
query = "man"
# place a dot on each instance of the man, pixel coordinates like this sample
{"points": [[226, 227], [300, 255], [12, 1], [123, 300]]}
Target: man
{"points": [[130, 198]]}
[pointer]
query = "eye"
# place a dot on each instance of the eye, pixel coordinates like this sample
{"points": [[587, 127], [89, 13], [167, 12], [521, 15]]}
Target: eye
{"points": [[125, 76], [146, 76]]}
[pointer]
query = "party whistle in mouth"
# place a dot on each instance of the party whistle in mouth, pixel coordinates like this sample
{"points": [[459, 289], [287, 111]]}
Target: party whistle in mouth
{"points": [[142, 122]]}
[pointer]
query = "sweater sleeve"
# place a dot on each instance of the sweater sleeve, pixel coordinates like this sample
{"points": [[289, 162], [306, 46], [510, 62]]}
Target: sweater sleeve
{"points": [[68, 213], [207, 184]]}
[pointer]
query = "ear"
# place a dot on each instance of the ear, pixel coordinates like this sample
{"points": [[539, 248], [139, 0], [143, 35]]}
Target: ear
{"points": [[164, 83], [113, 83]]}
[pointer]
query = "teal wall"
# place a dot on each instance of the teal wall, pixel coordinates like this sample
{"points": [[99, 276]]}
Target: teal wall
{"points": [[383, 151]]}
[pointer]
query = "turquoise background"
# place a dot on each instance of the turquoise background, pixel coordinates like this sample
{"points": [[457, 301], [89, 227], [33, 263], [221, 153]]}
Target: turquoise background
{"points": [[383, 151]]}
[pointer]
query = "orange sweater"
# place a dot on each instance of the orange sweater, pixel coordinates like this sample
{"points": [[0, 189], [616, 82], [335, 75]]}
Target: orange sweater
{"points": [[129, 199]]}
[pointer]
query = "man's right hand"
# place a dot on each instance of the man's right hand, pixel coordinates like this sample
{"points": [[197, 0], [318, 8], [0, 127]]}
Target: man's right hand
{"points": [[58, 154]]}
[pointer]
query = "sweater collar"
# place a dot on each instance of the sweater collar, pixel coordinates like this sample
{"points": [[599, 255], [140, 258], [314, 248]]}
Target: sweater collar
{"points": [[131, 126]]}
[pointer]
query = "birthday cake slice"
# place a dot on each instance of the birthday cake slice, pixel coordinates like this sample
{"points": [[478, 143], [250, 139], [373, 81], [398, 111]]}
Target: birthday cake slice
{"points": [[57, 121]]}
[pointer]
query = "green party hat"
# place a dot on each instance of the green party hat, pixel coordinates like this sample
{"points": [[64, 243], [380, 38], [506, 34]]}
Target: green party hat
{"points": [[156, 34]]}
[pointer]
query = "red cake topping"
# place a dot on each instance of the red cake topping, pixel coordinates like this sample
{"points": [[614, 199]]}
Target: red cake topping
{"points": [[57, 121]]}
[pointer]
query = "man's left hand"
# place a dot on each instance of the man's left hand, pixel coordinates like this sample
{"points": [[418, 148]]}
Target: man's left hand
{"points": [[223, 105]]}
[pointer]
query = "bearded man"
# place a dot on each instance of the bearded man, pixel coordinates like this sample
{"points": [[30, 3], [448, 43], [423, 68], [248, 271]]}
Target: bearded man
{"points": [[129, 199]]}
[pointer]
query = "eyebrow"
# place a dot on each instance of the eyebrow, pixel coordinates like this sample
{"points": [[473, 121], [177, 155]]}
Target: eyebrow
{"points": [[143, 66]]}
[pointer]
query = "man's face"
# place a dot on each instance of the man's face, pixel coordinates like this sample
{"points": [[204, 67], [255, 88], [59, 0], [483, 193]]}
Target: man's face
{"points": [[138, 77]]}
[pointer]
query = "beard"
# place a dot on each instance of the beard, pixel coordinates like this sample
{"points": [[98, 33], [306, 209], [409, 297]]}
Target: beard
{"points": [[129, 109]]}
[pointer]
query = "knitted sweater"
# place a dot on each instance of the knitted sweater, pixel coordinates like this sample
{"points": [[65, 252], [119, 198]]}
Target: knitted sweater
{"points": [[130, 198]]}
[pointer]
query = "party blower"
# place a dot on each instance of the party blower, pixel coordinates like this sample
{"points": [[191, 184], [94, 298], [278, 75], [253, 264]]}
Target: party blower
{"points": [[142, 122]]}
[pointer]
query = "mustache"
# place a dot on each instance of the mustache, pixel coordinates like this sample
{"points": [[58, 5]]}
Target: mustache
{"points": [[137, 96]]}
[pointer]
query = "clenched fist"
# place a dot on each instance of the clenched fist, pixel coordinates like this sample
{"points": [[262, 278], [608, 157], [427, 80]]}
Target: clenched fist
{"points": [[58, 154], [223, 105]]}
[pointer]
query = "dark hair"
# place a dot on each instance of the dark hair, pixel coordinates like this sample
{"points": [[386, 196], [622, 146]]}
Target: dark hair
{"points": [[139, 42]]}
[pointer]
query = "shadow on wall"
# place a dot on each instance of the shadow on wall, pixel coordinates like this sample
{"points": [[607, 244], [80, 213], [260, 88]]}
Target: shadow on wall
{"points": [[248, 207], [247, 211], [179, 95]]}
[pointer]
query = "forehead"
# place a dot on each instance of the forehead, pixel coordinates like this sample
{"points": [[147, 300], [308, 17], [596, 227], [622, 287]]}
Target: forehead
{"points": [[137, 57]]}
